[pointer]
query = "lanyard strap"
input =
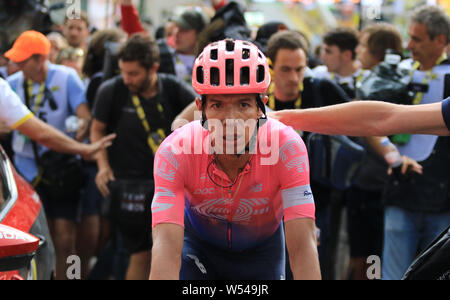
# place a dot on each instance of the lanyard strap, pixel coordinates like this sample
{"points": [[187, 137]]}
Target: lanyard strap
{"points": [[298, 102], [430, 76], [39, 97], [155, 138]]}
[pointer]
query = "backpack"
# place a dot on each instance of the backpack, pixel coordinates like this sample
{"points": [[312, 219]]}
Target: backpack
{"points": [[334, 159]]}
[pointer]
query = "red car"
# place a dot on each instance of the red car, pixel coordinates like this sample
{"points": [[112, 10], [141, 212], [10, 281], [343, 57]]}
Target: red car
{"points": [[26, 249]]}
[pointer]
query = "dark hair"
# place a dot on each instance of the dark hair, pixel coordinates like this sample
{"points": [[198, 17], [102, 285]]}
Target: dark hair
{"points": [[343, 38], [141, 48], [96, 50], [287, 39], [435, 19], [381, 37]]}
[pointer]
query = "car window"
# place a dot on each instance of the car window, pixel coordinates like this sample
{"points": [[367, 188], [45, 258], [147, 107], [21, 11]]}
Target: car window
{"points": [[4, 190], [2, 198]]}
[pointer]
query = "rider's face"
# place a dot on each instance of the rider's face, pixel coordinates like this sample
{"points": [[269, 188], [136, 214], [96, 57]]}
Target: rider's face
{"points": [[231, 119]]}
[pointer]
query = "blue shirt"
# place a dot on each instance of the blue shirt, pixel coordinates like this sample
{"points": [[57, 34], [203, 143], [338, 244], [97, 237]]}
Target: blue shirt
{"points": [[64, 93], [420, 147], [446, 112]]}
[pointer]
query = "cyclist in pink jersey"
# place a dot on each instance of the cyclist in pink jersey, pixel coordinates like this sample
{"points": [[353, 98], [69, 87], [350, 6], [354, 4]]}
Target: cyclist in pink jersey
{"points": [[232, 189]]}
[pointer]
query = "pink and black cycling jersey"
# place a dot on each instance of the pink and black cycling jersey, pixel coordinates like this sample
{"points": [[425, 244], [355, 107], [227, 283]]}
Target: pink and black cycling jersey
{"points": [[274, 185]]}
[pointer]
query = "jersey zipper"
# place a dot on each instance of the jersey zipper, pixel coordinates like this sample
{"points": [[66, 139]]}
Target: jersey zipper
{"points": [[229, 235]]}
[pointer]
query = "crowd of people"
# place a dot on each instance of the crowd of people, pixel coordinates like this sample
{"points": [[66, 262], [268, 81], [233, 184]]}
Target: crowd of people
{"points": [[130, 88]]}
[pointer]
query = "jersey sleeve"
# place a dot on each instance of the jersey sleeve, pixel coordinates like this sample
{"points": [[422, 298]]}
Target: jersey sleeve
{"points": [[446, 112], [293, 173], [12, 111], [168, 200]]}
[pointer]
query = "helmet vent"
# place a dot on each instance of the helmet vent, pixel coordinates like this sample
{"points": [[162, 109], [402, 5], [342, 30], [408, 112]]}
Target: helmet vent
{"points": [[229, 45], [215, 76], [229, 67], [214, 54], [245, 76], [245, 53], [260, 76], [200, 78]]}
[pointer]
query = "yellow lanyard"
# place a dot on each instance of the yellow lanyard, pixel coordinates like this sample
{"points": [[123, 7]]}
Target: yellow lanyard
{"points": [[39, 96], [154, 139], [430, 76], [298, 102], [187, 77]]}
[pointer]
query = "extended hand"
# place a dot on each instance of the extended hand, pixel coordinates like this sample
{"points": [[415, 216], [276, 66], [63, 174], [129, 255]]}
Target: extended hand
{"points": [[4, 129], [93, 149]]}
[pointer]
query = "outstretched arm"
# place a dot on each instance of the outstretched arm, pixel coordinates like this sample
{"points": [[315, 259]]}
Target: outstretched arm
{"points": [[52, 138], [367, 118]]}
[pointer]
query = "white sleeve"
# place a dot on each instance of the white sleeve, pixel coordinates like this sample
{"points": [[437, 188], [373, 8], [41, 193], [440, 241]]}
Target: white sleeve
{"points": [[12, 111]]}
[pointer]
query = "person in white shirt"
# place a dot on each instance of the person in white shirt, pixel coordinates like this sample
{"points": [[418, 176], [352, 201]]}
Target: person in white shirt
{"points": [[15, 115]]}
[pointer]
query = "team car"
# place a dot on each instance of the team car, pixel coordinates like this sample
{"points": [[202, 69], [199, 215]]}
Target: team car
{"points": [[26, 248]]}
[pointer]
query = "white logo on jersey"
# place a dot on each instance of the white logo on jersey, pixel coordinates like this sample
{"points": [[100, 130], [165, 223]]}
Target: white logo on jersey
{"points": [[157, 206]]}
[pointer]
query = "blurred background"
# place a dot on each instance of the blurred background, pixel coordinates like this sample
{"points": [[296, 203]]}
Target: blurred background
{"points": [[313, 17]]}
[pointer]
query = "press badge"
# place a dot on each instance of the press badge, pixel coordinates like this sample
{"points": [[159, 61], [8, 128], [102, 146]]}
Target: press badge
{"points": [[19, 142]]}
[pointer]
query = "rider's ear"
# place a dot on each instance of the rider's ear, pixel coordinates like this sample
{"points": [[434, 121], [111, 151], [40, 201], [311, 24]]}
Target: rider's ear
{"points": [[199, 104]]}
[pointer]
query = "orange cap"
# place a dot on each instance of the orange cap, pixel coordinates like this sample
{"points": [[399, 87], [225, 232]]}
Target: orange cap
{"points": [[28, 44]]}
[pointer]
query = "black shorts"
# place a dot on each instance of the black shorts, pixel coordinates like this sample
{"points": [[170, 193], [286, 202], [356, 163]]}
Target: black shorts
{"points": [[91, 199], [67, 208], [131, 212], [365, 216], [134, 239]]}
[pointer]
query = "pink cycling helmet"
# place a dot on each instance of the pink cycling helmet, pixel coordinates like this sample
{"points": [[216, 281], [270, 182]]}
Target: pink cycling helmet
{"points": [[231, 67]]}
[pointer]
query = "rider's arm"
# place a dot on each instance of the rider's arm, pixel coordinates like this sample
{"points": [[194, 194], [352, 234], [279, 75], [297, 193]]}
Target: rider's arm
{"points": [[367, 118], [167, 212], [298, 205], [302, 248], [166, 251]]}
